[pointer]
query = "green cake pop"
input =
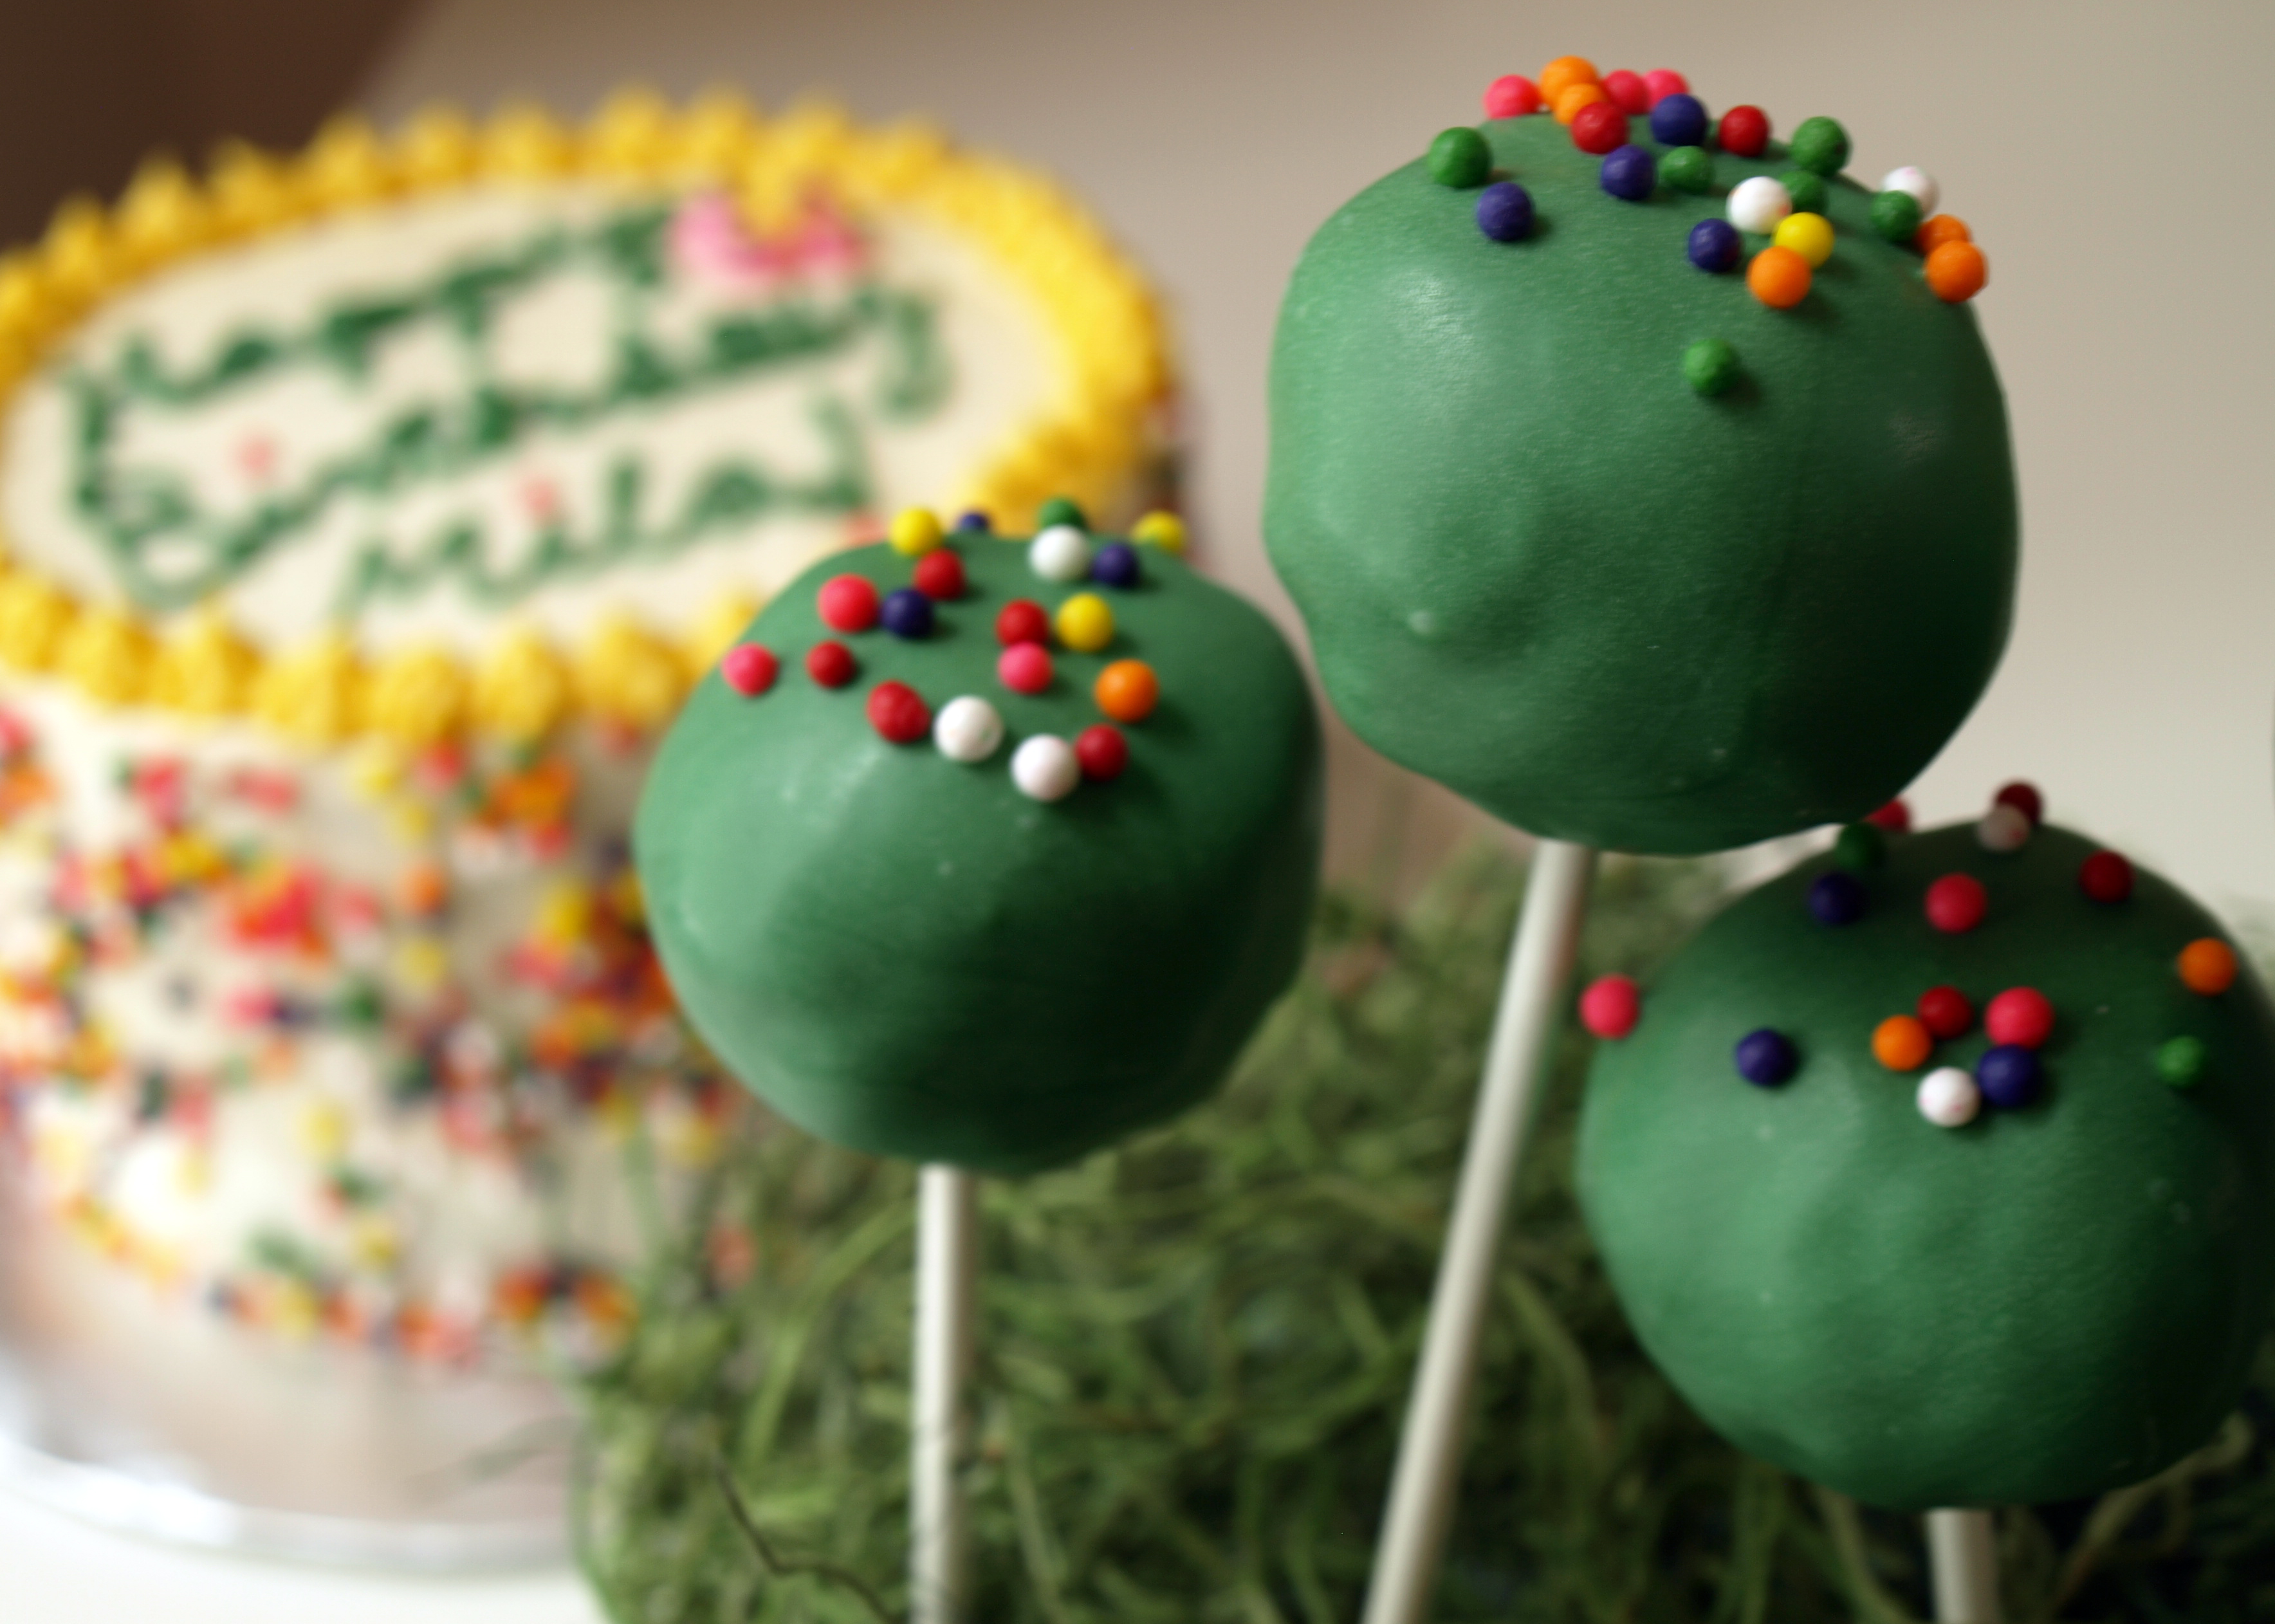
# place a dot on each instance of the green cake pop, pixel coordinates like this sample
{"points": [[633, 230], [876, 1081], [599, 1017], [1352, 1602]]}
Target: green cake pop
{"points": [[1945, 1175], [1621, 551], [991, 855]]}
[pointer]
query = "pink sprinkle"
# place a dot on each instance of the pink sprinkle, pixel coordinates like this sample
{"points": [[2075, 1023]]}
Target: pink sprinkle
{"points": [[1511, 95], [1628, 91], [749, 669], [1611, 1005], [1025, 668], [1664, 82]]}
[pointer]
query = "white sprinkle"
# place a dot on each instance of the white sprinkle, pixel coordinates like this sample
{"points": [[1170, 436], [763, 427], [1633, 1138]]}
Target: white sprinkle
{"points": [[2003, 828], [967, 729], [1045, 768], [1062, 553], [1948, 1098], [1917, 181], [1758, 204]]}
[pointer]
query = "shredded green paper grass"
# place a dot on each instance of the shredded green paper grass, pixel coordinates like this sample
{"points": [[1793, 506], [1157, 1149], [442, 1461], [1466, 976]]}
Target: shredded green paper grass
{"points": [[1195, 1356]]}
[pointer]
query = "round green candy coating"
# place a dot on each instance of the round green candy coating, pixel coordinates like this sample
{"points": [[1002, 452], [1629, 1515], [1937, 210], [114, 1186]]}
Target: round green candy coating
{"points": [[2180, 1060], [1710, 365], [1460, 157], [1806, 190], [905, 954], [1687, 169], [1820, 146], [1648, 628], [1859, 848], [2047, 1303], [1896, 217], [1061, 510]]}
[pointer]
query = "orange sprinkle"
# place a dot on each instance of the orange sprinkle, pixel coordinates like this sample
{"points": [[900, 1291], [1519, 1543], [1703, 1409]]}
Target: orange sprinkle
{"points": [[1901, 1043], [2207, 965], [1957, 271], [423, 889], [1562, 75], [1568, 105], [1938, 229], [1778, 277], [1127, 691]]}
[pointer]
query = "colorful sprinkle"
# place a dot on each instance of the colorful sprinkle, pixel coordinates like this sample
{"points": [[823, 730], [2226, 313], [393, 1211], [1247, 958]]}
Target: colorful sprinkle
{"points": [[939, 575], [1711, 366], [1564, 73], [1948, 1098], [1860, 848], [847, 603], [1085, 623], [1045, 768], [1937, 230], [1945, 1012], [1611, 1005], [1678, 120], [1745, 130], [2105, 877], [2009, 1076], [1102, 751], [1127, 691], [1956, 272], [1025, 668], [1806, 190], [1716, 247], [2021, 1015], [1915, 182], [1599, 128], [1895, 818], [915, 531], [1060, 552], [2024, 798], [1511, 95], [1022, 620], [1628, 91], [1778, 277], [972, 519], [2181, 1061], [1061, 510], [1837, 898], [1807, 235], [1820, 146], [1895, 216], [898, 713], [1160, 529], [2003, 829], [1902, 1043], [1578, 99], [749, 669], [1687, 169], [2207, 965], [1663, 83], [1766, 1058], [1117, 566], [1629, 173], [831, 664], [1459, 157], [1956, 903], [906, 613], [1504, 212], [968, 728], [1758, 204]]}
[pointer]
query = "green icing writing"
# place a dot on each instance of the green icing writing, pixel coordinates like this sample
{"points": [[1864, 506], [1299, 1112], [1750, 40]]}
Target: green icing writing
{"points": [[169, 551]]}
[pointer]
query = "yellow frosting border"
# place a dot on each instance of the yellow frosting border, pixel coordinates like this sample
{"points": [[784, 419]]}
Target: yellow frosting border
{"points": [[1092, 300]]}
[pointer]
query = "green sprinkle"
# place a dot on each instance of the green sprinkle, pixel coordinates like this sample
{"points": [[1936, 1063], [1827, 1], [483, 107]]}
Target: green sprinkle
{"points": [[1687, 169], [1896, 215], [1460, 157], [2180, 1060], [1806, 190], [1061, 510], [1859, 848], [1711, 366], [1820, 146]]}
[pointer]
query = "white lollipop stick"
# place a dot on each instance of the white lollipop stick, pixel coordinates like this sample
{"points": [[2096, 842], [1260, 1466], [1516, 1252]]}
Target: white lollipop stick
{"points": [[1413, 1536], [948, 1277], [1964, 1557]]}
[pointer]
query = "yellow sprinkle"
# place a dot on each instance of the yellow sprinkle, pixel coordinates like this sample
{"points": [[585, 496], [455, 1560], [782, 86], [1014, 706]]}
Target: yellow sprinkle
{"points": [[422, 961], [324, 1131], [915, 531], [374, 1242], [564, 918], [1084, 622], [1160, 529], [1807, 235]]}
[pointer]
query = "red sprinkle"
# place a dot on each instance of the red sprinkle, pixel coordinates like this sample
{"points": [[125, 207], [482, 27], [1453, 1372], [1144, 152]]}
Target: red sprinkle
{"points": [[1598, 127], [1611, 1005], [1745, 130], [1102, 751], [939, 574], [2020, 1015], [1956, 903], [1023, 621], [1945, 1012], [899, 713], [847, 603], [830, 664], [2024, 798], [2105, 877], [1628, 90], [1895, 818], [1663, 83], [1511, 95], [1025, 668], [749, 669]]}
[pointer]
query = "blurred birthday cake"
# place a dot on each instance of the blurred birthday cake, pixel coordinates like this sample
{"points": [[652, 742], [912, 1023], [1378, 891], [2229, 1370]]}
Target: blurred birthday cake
{"points": [[366, 514]]}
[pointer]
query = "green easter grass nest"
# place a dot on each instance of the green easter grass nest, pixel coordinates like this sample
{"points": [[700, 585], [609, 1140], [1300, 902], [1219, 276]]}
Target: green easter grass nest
{"points": [[1195, 1353]]}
